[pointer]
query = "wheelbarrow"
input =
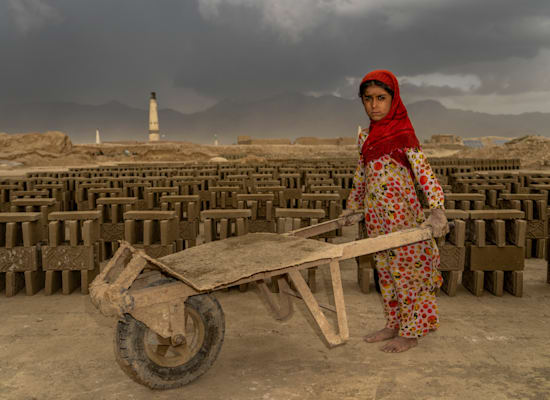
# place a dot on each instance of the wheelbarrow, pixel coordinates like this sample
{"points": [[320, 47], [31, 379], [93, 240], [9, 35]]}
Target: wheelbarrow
{"points": [[171, 328]]}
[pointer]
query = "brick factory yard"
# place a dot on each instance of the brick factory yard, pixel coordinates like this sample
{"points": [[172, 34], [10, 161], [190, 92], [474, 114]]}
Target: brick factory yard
{"points": [[60, 347]]}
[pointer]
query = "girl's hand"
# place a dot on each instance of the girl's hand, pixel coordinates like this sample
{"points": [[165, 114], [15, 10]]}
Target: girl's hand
{"points": [[438, 221]]}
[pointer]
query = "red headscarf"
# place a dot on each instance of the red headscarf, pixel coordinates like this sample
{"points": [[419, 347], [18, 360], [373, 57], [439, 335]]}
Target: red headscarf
{"points": [[394, 132]]}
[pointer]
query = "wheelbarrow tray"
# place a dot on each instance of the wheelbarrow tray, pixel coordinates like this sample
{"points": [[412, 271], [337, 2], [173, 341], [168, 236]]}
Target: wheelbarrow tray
{"points": [[223, 263]]}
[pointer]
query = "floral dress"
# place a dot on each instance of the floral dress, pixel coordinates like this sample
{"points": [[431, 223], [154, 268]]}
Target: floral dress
{"points": [[409, 275]]}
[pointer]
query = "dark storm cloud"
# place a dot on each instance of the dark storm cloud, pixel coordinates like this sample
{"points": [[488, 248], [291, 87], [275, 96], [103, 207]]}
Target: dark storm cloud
{"points": [[426, 38], [106, 49]]}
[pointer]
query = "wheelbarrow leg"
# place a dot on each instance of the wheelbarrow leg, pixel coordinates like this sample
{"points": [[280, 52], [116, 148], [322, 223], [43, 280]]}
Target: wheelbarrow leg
{"points": [[332, 337], [284, 308]]}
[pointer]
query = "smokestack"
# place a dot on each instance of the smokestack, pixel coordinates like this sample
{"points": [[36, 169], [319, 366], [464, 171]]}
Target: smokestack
{"points": [[97, 139], [154, 134]]}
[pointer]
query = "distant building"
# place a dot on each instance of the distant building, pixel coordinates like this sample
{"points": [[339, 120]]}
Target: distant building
{"points": [[248, 140], [97, 138], [154, 133], [445, 139]]}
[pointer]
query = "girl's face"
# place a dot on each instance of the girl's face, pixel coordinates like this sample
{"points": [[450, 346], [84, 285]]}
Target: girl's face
{"points": [[377, 102]]}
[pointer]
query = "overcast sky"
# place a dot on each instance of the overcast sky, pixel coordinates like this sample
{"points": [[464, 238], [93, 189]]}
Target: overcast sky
{"points": [[483, 55]]}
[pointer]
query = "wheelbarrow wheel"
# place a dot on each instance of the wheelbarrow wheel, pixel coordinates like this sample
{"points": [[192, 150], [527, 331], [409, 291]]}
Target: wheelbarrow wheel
{"points": [[152, 361]]}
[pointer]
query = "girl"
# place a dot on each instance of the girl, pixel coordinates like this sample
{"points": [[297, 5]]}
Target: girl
{"points": [[390, 160]]}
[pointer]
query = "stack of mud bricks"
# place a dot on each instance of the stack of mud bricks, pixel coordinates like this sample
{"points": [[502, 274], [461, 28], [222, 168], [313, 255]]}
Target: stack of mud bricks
{"points": [[495, 252], [137, 189], [289, 219], [535, 206], [153, 195], [96, 193], [43, 205], [262, 211], [345, 182], [221, 224], [187, 185], [316, 179], [112, 211], [83, 198], [73, 253], [58, 192], [464, 201], [20, 264], [154, 232], [223, 197], [5, 195], [330, 203], [452, 250], [187, 209]]}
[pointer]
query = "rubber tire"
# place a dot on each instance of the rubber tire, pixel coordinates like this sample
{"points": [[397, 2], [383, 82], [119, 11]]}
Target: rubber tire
{"points": [[130, 353]]}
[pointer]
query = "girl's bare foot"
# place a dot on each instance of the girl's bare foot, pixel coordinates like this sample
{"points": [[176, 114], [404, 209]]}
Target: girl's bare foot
{"points": [[382, 334], [399, 344]]}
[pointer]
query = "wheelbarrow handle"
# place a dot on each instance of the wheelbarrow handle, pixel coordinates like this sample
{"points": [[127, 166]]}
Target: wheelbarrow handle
{"points": [[333, 224], [327, 226]]}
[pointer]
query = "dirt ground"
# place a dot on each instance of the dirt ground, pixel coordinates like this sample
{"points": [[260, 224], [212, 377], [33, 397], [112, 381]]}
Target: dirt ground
{"points": [[20, 152], [61, 348]]}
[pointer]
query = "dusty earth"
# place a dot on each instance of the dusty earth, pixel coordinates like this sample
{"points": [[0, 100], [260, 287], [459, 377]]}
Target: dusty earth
{"points": [[54, 149], [61, 348]]}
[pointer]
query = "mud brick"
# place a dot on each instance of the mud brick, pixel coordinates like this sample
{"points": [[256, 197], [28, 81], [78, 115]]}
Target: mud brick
{"points": [[450, 282], [15, 281], [157, 250], [496, 232], [494, 281], [516, 232], [473, 281], [365, 269], [496, 214], [153, 215], [66, 257], [16, 194], [218, 214], [492, 258], [94, 215], [34, 282], [513, 282], [452, 258], [464, 201], [19, 259]]}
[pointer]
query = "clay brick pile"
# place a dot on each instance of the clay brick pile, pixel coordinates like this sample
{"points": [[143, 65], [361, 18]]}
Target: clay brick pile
{"points": [[56, 228]]}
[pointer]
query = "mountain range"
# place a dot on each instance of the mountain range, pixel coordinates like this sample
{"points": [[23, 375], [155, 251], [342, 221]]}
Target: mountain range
{"points": [[288, 115]]}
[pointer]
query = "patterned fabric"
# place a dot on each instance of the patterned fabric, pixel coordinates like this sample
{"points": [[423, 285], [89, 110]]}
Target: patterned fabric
{"points": [[409, 275]]}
